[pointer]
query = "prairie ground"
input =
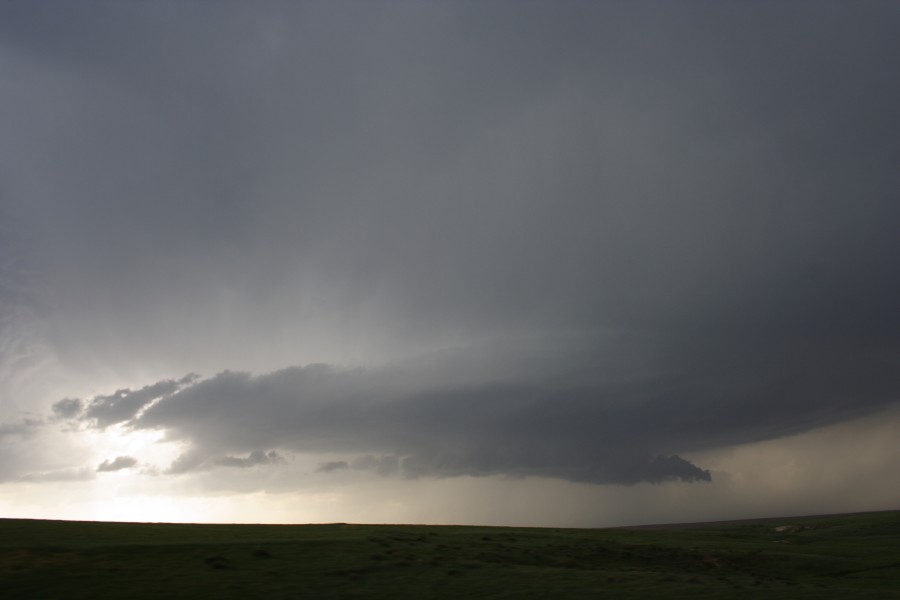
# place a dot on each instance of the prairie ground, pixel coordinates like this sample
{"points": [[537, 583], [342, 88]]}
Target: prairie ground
{"points": [[843, 556]]}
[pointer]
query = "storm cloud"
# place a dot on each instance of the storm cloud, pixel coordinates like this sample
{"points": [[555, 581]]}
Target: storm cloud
{"points": [[571, 240], [118, 464], [610, 414], [119, 406]]}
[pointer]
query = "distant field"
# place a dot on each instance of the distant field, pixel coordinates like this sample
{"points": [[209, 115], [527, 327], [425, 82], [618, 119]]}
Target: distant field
{"points": [[846, 556]]}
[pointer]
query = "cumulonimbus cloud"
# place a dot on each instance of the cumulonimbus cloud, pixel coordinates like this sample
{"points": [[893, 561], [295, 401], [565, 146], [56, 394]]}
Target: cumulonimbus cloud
{"points": [[554, 177], [606, 414]]}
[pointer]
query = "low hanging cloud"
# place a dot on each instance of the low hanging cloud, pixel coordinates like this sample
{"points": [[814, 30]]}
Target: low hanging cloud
{"points": [[254, 459], [609, 413], [118, 464], [196, 460], [333, 466], [119, 406]]}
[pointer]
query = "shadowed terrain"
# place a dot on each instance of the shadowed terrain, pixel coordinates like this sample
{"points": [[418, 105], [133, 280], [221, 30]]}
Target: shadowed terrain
{"points": [[842, 556]]}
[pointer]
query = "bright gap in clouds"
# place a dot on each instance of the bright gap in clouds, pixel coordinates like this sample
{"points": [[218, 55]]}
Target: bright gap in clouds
{"points": [[118, 442]]}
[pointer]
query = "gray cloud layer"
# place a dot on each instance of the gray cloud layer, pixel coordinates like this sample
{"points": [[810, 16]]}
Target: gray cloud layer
{"points": [[609, 414], [337, 181], [672, 224]]}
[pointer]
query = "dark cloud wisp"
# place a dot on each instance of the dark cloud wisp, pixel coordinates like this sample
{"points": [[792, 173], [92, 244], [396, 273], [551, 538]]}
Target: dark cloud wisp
{"points": [[118, 464], [120, 406]]}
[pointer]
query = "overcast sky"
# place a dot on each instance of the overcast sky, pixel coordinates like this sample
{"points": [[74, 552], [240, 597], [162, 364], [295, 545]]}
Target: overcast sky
{"points": [[507, 262]]}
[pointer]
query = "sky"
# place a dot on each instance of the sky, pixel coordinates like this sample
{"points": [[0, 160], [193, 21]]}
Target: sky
{"points": [[544, 263]]}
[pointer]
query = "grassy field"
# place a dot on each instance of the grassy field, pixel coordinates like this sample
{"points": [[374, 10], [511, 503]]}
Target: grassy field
{"points": [[846, 556]]}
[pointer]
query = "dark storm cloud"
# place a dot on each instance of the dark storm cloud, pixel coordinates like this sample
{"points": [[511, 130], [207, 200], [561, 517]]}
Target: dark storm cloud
{"points": [[118, 464], [67, 408], [620, 411], [124, 404], [253, 459], [675, 221], [516, 429], [201, 460], [119, 406], [574, 166], [333, 465]]}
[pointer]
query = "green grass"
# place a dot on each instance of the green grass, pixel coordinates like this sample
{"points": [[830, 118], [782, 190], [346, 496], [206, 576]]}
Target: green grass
{"points": [[848, 556]]}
